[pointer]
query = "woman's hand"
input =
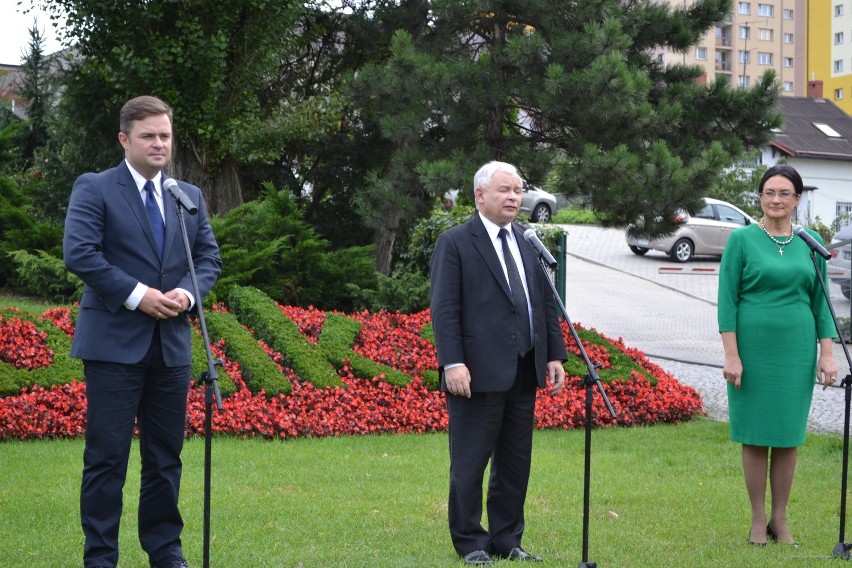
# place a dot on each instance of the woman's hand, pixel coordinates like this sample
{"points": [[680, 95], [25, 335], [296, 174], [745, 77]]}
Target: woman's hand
{"points": [[826, 369], [732, 369]]}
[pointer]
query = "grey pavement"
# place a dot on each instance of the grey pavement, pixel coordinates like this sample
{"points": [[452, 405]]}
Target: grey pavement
{"points": [[668, 310]]}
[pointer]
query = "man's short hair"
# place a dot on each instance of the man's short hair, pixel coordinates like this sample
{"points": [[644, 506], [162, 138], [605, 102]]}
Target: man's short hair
{"points": [[141, 108]]}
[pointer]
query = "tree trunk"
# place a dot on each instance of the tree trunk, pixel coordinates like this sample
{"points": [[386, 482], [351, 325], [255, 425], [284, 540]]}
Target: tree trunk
{"points": [[222, 190], [385, 239]]}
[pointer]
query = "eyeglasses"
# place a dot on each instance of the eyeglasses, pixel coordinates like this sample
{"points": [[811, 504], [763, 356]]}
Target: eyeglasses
{"points": [[782, 194]]}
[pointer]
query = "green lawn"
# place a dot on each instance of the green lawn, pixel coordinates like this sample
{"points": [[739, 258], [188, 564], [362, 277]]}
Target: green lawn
{"points": [[661, 496]]}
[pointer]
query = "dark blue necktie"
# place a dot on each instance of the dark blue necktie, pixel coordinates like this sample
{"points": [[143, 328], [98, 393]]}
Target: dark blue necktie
{"points": [[518, 296], [154, 215]]}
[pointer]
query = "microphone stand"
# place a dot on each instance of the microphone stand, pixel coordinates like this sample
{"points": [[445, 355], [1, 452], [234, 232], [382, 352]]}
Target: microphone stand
{"points": [[590, 380], [841, 549], [210, 378]]}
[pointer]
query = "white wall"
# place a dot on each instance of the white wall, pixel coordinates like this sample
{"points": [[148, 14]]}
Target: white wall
{"points": [[832, 180]]}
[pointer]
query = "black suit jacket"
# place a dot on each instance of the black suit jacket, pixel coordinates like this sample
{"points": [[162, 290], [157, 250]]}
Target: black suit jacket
{"points": [[109, 244], [473, 314]]}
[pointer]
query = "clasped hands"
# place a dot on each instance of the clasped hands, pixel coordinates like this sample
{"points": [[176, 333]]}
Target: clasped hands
{"points": [[163, 306]]}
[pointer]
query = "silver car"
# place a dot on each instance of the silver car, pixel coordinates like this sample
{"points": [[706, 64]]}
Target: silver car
{"points": [[705, 233], [840, 263], [536, 203]]}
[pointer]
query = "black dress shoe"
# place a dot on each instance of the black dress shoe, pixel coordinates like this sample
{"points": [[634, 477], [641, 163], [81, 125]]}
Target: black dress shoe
{"points": [[518, 554], [478, 558], [177, 563]]}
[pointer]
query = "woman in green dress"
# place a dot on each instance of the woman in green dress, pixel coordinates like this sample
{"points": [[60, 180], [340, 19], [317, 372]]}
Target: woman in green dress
{"points": [[772, 314]]}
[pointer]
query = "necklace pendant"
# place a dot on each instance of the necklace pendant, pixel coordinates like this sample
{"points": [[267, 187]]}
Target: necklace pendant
{"points": [[780, 251]]}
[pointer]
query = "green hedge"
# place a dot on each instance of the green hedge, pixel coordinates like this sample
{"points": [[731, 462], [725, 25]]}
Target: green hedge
{"points": [[63, 370], [259, 371]]}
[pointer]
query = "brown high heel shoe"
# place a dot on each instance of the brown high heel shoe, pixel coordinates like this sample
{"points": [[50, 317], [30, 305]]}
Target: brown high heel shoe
{"points": [[770, 534]]}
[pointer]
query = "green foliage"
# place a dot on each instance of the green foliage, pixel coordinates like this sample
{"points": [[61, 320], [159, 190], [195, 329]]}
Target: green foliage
{"points": [[259, 371], [258, 311], [738, 185], [622, 365], [336, 340], [405, 292], [44, 275], [62, 370], [575, 217], [417, 255], [268, 245]]}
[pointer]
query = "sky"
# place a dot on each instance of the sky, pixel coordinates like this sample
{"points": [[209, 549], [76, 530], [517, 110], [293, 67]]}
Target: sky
{"points": [[14, 31]]}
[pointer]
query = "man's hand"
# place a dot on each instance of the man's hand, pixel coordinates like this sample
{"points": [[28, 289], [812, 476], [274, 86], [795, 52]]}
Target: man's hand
{"points": [[162, 306], [458, 380], [556, 374]]}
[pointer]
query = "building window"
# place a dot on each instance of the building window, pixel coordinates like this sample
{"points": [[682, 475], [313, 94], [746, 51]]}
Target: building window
{"points": [[838, 38], [838, 9], [788, 14], [701, 53], [745, 32], [744, 57], [843, 211], [838, 94], [827, 130], [745, 8], [788, 62], [742, 81], [788, 86], [767, 10], [838, 66], [788, 38], [764, 58], [764, 34]]}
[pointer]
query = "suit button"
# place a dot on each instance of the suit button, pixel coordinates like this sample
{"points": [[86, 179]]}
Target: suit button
{"points": [[513, 337]]}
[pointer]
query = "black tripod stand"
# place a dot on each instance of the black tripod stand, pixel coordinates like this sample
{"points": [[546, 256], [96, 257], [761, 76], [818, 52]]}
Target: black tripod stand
{"points": [[590, 380], [841, 549], [210, 378]]}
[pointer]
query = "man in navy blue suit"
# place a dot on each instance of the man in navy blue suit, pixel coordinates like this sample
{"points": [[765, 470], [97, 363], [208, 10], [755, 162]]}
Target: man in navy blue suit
{"points": [[498, 339], [122, 238]]}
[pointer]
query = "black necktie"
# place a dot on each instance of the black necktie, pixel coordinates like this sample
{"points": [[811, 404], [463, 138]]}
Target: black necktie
{"points": [[154, 215], [518, 296]]}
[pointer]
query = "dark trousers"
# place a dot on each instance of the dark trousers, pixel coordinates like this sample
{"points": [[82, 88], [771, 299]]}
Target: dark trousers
{"points": [[496, 426], [155, 396]]}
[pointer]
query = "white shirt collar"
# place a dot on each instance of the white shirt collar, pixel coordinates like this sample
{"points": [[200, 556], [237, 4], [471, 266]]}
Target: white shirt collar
{"points": [[140, 179], [494, 229]]}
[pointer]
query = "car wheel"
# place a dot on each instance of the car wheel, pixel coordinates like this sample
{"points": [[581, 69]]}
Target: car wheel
{"points": [[541, 214], [682, 250], [638, 250], [844, 289]]}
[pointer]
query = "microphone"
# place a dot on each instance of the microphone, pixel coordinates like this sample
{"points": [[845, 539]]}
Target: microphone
{"points": [[812, 242], [532, 238], [171, 186]]}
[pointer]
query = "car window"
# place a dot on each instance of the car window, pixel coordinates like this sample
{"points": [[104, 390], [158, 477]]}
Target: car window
{"points": [[706, 213], [731, 215]]}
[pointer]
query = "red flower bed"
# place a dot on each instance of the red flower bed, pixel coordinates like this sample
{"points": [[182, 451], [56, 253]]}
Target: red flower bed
{"points": [[363, 406]]}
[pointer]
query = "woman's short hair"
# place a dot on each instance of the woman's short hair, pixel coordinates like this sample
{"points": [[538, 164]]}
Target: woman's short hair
{"points": [[786, 171]]}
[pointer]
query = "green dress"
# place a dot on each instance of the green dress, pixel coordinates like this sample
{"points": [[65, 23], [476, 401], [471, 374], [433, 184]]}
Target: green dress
{"points": [[775, 305]]}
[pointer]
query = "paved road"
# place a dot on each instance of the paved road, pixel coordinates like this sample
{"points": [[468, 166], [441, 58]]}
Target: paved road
{"points": [[668, 310]]}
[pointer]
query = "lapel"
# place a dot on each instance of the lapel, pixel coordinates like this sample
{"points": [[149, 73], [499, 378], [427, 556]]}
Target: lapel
{"points": [[482, 243], [130, 193]]}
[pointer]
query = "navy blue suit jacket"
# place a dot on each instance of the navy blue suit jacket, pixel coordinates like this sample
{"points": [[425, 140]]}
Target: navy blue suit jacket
{"points": [[109, 244], [473, 315]]}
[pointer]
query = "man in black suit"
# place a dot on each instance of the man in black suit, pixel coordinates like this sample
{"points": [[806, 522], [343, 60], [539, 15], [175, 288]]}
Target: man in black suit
{"points": [[133, 333], [496, 344]]}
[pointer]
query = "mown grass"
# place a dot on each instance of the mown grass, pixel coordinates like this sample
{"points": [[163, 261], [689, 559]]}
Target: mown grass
{"points": [[660, 496]]}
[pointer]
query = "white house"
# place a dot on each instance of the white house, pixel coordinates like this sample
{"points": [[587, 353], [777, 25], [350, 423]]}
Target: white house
{"points": [[816, 139]]}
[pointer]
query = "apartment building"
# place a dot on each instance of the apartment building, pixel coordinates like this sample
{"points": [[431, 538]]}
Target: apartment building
{"points": [[830, 49], [758, 35]]}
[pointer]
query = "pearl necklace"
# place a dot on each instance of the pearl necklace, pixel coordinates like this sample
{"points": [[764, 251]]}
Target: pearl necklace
{"points": [[781, 244]]}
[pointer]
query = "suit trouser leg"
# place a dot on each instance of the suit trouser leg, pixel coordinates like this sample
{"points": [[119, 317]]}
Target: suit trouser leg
{"points": [[510, 464], [496, 426], [162, 421], [112, 395], [473, 428]]}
